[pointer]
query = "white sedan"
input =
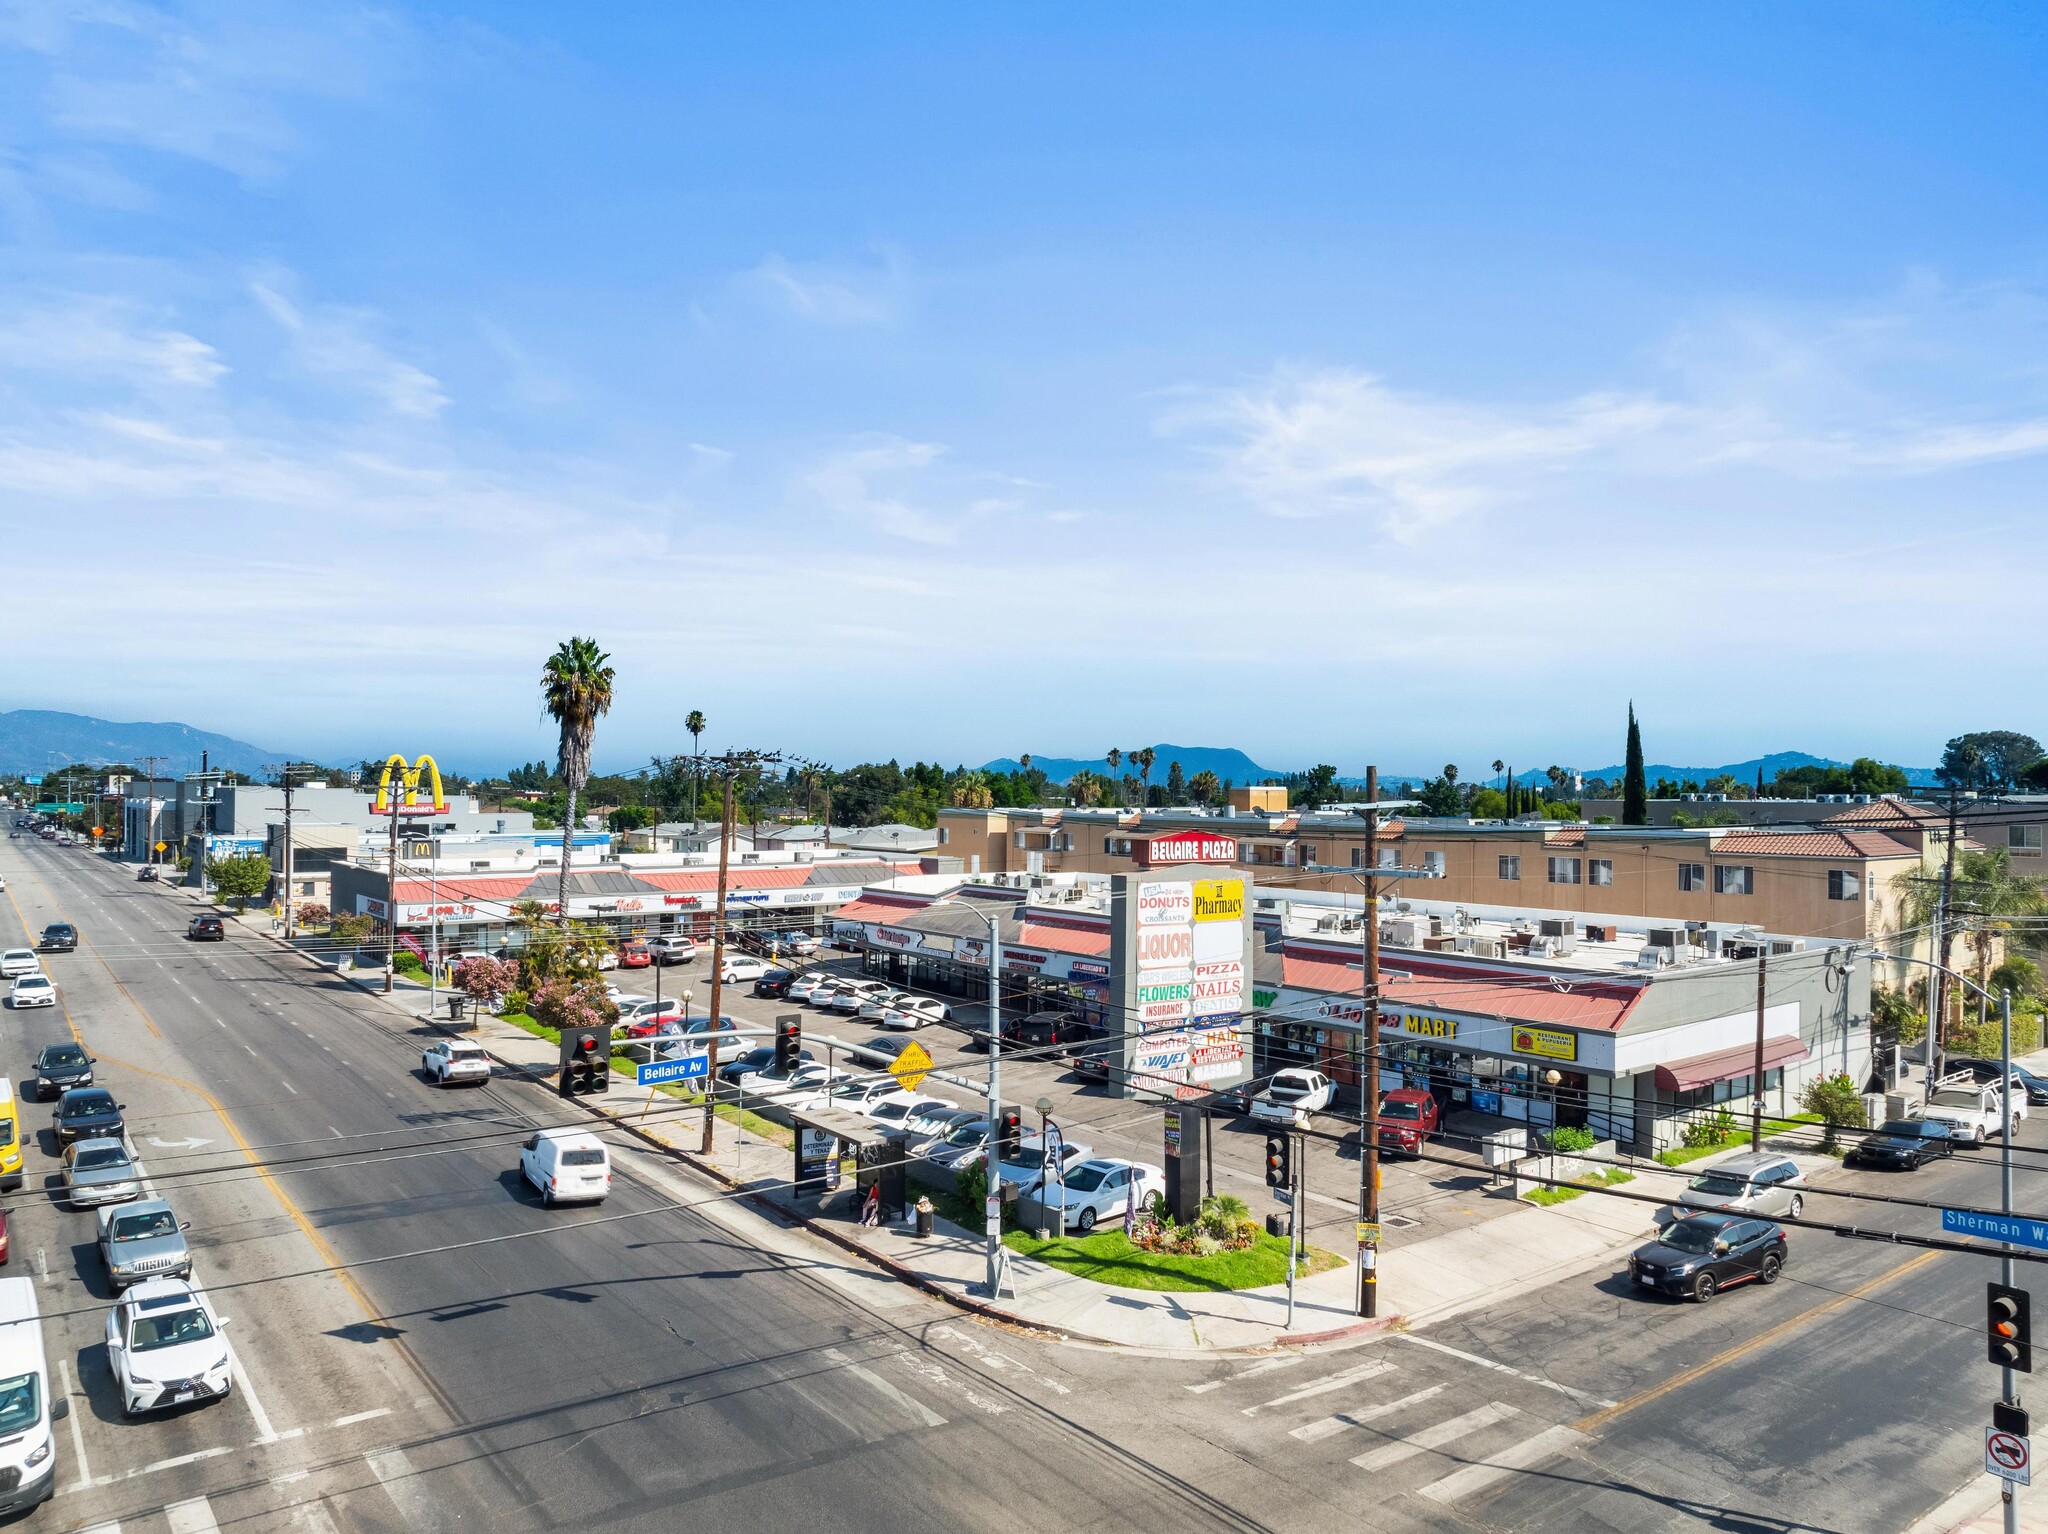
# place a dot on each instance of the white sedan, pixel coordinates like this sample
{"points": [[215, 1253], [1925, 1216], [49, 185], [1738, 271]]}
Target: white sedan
{"points": [[166, 1347], [19, 961], [802, 988], [742, 969], [453, 1060], [914, 1012], [1102, 1189], [32, 991], [872, 1007]]}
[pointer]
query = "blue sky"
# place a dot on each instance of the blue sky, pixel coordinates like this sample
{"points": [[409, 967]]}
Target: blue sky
{"points": [[1405, 383]]}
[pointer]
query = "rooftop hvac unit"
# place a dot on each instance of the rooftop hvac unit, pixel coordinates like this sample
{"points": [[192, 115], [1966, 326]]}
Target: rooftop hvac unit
{"points": [[1599, 933], [478, 867], [1439, 944], [1559, 926], [1667, 937], [1711, 941], [1785, 945], [1408, 931]]}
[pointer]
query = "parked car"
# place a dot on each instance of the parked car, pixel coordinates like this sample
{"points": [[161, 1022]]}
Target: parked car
{"points": [[955, 1148], [1027, 1168], [880, 1050], [59, 1067], [800, 942], [1093, 1053], [853, 995], [645, 1009], [566, 1165], [802, 988], [86, 1113], [1291, 1096], [1989, 1070], [1973, 1111], [672, 948], [449, 1061], [1408, 1117], [206, 928], [31, 991], [855, 1093], [19, 961], [804, 1086], [740, 967], [755, 1062], [913, 1012], [165, 1347], [1907, 1143], [634, 954], [775, 982], [907, 1110], [1699, 1256], [1101, 1189], [877, 1002], [142, 1241], [59, 937], [148, 874], [1754, 1184], [99, 1171]]}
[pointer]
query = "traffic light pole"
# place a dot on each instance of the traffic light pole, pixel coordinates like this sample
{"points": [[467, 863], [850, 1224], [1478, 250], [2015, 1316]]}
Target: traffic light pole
{"points": [[1369, 1065], [991, 1147], [2008, 1391]]}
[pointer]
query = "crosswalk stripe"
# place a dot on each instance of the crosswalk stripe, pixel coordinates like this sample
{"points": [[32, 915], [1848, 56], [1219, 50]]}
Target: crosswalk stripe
{"points": [[402, 1484], [193, 1517], [1587, 1397], [102, 1528], [1267, 1367], [313, 1518], [1433, 1437], [1325, 1386], [1460, 1484], [902, 1398], [1330, 1427]]}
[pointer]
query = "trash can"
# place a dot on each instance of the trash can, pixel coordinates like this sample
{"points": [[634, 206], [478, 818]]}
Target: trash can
{"points": [[1280, 1223], [924, 1217], [455, 1008]]}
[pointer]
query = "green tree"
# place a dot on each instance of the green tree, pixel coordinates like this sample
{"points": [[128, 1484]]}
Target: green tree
{"points": [[576, 689], [1315, 788], [1143, 760], [1204, 787], [1635, 798], [1115, 759], [1894, 1019], [240, 879], [1839, 1105], [693, 721], [1988, 758], [2019, 975], [631, 817]]}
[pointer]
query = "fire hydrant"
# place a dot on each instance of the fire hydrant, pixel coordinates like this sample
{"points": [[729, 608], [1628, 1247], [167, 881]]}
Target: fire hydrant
{"points": [[924, 1216]]}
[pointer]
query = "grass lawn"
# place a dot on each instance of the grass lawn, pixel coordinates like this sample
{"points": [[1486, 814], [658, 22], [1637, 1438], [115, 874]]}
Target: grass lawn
{"points": [[1681, 1154], [1108, 1257], [1613, 1177]]}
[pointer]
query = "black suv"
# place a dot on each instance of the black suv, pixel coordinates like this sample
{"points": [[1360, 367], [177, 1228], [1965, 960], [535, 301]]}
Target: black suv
{"points": [[59, 937], [59, 1068], [776, 982], [1698, 1257], [207, 929], [85, 1113]]}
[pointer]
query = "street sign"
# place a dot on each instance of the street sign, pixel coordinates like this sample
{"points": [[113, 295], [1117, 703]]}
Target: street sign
{"points": [[689, 1068], [2009, 1457], [2014, 1229], [909, 1067], [1368, 1232], [163, 846]]}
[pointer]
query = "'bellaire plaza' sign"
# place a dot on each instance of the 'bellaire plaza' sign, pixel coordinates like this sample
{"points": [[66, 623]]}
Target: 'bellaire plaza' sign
{"points": [[1179, 963], [1172, 847]]}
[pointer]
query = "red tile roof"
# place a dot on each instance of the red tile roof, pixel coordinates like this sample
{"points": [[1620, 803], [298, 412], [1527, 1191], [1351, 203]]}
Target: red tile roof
{"points": [[1570, 836], [1812, 844], [1091, 939], [880, 905], [1885, 812], [1519, 995], [511, 887]]}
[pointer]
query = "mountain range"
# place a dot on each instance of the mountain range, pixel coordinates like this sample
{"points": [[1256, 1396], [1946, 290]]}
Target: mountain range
{"points": [[34, 740], [1226, 762]]}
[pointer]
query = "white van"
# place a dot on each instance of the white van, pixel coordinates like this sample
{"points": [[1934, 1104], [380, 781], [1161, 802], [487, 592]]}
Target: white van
{"points": [[28, 1446], [566, 1166]]}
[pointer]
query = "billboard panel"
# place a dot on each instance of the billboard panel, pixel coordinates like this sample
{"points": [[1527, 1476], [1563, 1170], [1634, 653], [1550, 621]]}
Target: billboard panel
{"points": [[1180, 973]]}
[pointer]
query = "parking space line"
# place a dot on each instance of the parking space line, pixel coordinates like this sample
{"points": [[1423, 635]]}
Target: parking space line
{"points": [[176, 1460], [192, 1517], [1460, 1484], [77, 1433], [1434, 1437], [1585, 1397], [1324, 1386], [361, 1416]]}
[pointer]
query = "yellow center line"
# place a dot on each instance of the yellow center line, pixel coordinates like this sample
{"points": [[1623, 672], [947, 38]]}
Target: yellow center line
{"points": [[1741, 1349]]}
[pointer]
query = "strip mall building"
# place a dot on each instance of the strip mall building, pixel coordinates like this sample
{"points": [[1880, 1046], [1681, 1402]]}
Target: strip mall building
{"points": [[1528, 1016]]}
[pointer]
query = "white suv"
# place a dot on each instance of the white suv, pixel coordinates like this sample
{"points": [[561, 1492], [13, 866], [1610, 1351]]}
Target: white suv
{"points": [[166, 1347]]}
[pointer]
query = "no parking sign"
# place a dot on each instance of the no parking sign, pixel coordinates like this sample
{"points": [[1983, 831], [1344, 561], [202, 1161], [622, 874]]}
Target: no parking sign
{"points": [[2009, 1456]]}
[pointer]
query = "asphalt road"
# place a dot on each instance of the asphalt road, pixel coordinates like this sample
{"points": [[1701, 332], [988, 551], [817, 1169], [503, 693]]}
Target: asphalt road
{"points": [[579, 1370]]}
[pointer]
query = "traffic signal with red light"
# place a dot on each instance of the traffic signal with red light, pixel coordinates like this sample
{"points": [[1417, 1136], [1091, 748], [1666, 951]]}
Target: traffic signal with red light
{"points": [[586, 1061], [1010, 1135], [789, 1042], [2009, 1327], [1279, 1160]]}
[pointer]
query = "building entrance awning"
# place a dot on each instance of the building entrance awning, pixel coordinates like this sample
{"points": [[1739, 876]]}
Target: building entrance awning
{"points": [[1689, 1075]]}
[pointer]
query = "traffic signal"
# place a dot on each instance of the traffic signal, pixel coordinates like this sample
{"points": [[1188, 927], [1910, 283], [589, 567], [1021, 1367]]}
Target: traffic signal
{"points": [[789, 1042], [598, 1052], [586, 1062], [1279, 1159], [2008, 1328], [1010, 1135]]}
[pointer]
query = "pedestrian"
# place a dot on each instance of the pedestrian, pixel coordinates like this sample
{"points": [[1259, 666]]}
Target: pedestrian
{"points": [[871, 1207]]}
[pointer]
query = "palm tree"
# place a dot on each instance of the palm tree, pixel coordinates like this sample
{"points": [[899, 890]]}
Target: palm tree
{"points": [[693, 721], [1204, 786], [576, 689], [1115, 759], [1500, 766], [1988, 896], [1143, 761]]}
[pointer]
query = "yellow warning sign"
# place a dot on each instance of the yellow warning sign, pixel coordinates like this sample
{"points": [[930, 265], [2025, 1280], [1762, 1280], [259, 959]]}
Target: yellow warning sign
{"points": [[909, 1067]]}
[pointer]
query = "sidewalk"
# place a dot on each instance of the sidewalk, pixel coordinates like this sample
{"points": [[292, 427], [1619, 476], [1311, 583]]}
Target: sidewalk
{"points": [[1976, 1509]]}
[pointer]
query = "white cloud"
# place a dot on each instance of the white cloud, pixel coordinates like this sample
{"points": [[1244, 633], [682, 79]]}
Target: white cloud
{"points": [[825, 296], [851, 484], [333, 343], [105, 339]]}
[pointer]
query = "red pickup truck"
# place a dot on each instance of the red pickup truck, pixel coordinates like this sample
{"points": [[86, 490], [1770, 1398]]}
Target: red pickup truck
{"points": [[1408, 1117]]}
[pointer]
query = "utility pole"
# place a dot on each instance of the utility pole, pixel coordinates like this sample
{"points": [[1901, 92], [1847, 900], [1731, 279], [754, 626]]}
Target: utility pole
{"points": [[717, 960], [2006, 1393], [149, 837], [1369, 1065], [991, 1155], [1937, 1015], [1756, 1127], [391, 900], [290, 909]]}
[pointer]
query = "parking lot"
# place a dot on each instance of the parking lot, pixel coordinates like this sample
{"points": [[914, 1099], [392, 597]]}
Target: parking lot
{"points": [[1418, 1198]]}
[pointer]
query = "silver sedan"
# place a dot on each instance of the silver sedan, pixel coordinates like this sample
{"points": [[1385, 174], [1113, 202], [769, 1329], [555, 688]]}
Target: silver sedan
{"points": [[99, 1171]]}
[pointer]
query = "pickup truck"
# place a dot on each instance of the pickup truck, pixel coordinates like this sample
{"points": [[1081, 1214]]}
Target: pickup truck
{"points": [[1973, 1112], [1408, 1118]]}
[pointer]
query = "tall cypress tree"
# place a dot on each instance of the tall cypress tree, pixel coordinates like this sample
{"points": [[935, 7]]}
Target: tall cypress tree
{"points": [[1635, 794]]}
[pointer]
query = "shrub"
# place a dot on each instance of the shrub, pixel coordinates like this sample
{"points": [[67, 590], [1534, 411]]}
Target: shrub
{"points": [[1839, 1105], [312, 913], [483, 980], [515, 1000], [1713, 1131], [559, 1005], [971, 1183], [1571, 1137], [350, 930], [406, 962]]}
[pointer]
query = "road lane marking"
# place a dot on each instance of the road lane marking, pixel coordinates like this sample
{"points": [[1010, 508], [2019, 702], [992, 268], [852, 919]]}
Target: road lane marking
{"points": [[1330, 1427], [265, 1433], [77, 1433], [1325, 1386], [1473, 1479], [402, 1484], [1434, 1437], [288, 1086], [176, 1460], [192, 1517], [42, 1265], [252, 1053], [886, 1389], [1741, 1349], [362, 1416], [1288, 1362], [1585, 1398]]}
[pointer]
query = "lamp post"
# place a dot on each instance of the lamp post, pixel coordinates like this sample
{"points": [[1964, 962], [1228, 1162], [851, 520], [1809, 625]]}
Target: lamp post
{"points": [[992, 1150]]}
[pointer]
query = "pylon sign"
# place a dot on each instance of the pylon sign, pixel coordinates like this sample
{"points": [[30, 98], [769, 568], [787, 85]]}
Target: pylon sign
{"points": [[408, 780]]}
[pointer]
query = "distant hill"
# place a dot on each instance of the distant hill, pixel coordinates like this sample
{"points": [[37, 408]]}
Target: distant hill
{"points": [[1225, 762], [39, 740], [1742, 772]]}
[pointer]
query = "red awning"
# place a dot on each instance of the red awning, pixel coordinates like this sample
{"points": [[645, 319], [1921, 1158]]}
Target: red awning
{"points": [[1728, 1064]]}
